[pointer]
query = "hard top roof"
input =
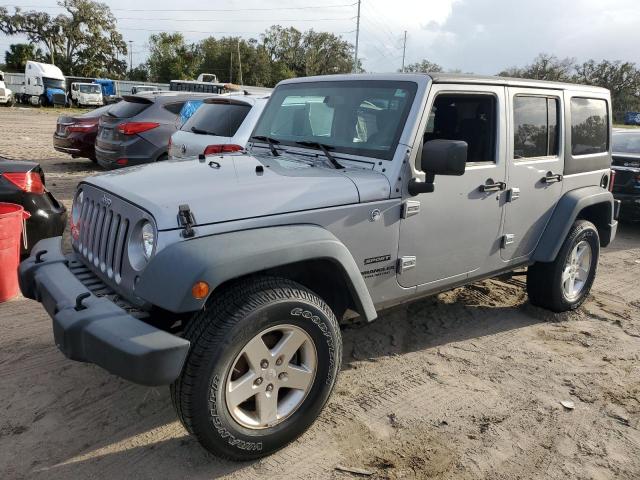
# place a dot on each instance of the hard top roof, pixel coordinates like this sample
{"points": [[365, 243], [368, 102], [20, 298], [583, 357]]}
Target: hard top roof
{"points": [[438, 77]]}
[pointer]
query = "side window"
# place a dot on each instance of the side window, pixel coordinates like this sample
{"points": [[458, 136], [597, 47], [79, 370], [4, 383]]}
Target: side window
{"points": [[589, 126], [535, 126], [174, 107], [471, 118]]}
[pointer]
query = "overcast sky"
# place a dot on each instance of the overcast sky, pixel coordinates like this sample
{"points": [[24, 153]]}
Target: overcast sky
{"points": [[480, 36]]}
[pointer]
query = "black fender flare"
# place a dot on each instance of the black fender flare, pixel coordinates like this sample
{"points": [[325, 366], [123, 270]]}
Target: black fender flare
{"points": [[565, 214], [168, 278]]}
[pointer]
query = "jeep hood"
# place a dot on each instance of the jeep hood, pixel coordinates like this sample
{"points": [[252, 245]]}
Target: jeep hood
{"points": [[239, 186]]}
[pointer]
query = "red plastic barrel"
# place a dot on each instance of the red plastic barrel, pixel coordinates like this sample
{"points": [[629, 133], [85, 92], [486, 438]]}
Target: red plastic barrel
{"points": [[12, 219]]}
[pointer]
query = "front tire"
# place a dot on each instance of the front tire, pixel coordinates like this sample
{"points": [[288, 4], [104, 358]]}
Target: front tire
{"points": [[264, 358], [564, 284]]}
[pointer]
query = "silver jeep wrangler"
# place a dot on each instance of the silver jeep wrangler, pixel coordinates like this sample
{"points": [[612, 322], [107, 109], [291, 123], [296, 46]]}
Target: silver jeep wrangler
{"points": [[226, 277]]}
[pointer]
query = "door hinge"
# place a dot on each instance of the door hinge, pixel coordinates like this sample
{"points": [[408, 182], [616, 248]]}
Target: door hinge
{"points": [[410, 208], [507, 239], [406, 263], [513, 194]]}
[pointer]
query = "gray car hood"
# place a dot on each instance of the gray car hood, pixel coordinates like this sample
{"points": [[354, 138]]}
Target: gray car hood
{"points": [[239, 186]]}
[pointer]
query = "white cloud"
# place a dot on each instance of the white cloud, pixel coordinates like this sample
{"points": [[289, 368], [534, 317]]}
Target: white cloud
{"points": [[481, 36]]}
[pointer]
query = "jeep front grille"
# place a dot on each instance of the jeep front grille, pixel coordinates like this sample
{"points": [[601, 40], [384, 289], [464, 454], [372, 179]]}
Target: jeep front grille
{"points": [[101, 242], [103, 235]]}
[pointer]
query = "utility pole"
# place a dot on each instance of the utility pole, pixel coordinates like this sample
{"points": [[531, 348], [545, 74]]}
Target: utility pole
{"points": [[130, 56], [355, 61], [404, 49], [231, 67], [239, 63]]}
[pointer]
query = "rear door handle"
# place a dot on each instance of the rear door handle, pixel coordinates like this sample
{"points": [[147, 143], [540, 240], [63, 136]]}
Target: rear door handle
{"points": [[491, 186], [551, 177]]}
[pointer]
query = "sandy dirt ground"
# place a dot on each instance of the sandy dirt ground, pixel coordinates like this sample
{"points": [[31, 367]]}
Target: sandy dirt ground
{"points": [[466, 384]]}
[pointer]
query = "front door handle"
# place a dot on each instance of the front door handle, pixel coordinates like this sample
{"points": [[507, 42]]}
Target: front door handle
{"points": [[491, 186], [551, 177]]}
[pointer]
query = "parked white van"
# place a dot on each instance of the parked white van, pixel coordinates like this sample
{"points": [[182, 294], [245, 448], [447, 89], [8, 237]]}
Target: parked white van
{"points": [[86, 94]]}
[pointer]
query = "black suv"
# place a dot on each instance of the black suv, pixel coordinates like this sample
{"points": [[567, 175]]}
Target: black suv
{"points": [[626, 165]]}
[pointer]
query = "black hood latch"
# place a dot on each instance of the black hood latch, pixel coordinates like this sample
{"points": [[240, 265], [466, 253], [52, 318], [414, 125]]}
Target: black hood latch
{"points": [[186, 219]]}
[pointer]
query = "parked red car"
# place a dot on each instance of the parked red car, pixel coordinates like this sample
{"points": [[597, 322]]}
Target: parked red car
{"points": [[77, 135]]}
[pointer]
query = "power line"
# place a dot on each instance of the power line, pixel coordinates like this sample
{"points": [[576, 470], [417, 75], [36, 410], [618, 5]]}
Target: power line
{"points": [[200, 9], [236, 21], [210, 32]]}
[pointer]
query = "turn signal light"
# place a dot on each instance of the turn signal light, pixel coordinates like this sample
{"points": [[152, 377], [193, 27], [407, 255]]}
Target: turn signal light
{"points": [[200, 290], [215, 149], [29, 182], [131, 128]]}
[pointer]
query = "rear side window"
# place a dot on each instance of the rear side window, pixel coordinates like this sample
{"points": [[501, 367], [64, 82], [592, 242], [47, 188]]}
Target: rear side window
{"points": [[221, 119], [174, 107], [589, 126], [127, 109], [535, 122]]}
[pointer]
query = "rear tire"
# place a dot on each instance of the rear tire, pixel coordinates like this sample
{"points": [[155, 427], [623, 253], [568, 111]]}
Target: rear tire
{"points": [[564, 284], [247, 336]]}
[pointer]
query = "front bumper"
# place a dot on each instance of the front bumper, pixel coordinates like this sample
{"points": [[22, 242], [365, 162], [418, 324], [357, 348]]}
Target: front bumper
{"points": [[96, 330]]}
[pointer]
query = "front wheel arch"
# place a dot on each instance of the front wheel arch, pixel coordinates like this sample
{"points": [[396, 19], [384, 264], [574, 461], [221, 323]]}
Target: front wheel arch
{"points": [[216, 259]]}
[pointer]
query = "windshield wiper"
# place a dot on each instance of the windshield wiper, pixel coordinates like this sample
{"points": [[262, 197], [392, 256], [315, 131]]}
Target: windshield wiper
{"points": [[200, 131], [325, 150], [271, 141]]}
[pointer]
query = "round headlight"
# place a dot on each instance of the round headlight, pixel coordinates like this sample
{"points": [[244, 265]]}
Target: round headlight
{"points": [[76, 210], [148, 239]]}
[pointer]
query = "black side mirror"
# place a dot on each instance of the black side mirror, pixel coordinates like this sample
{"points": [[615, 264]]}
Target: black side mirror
{"points": [[439, 157]]}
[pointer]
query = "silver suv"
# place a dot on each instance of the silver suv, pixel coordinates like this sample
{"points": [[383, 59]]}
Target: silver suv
{"points": [[227, 276]]}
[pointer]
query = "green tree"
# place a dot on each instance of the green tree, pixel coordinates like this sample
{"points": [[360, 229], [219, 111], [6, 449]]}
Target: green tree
{"points": [[621, 78], [326, 53], [424, 66], [16, 57], [293, 53], [139, 73], [171, 58], [82, 41], [544, 67]]}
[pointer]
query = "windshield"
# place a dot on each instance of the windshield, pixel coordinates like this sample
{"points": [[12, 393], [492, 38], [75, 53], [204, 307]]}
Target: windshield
{"points": [[53, 83], [90, 89], [360, 117], [626, 142]]}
